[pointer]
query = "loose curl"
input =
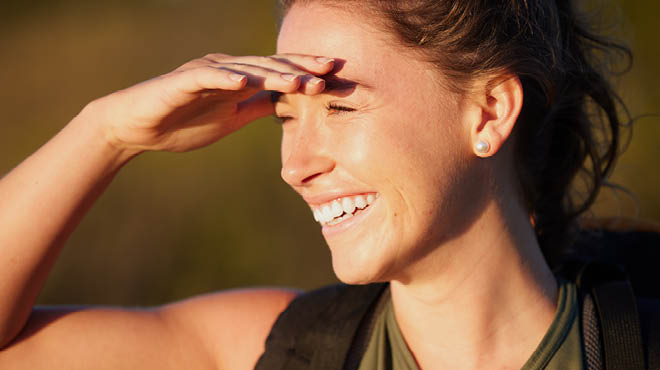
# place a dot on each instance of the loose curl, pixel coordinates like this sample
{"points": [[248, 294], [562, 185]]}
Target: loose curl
{"points": [[569, 123]]}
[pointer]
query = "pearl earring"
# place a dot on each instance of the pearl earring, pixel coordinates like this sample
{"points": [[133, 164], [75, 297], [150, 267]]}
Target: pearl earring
{"points": [[482, 147]]}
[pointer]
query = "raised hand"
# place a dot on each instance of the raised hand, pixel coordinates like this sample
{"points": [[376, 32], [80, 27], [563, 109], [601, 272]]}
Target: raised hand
{"points": [[192, 106], [203, 100]]}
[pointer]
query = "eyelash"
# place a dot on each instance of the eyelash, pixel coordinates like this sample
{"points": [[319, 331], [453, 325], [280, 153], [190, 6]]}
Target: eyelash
{"points": [[281, 120], [338, 109]]}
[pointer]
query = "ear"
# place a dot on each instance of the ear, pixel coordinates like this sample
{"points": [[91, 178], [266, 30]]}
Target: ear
{"points": [[500, 105]]}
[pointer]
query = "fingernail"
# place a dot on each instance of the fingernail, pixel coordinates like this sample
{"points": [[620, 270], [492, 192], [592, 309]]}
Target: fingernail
{"points": [[315, 81], [236, 77], [324, 60], [289, 77]]}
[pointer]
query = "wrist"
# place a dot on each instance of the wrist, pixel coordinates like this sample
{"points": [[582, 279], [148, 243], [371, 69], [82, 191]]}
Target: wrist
{"points": [[93, 125]]}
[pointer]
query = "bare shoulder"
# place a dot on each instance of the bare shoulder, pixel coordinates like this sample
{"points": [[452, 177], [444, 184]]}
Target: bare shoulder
{"points": [[225, 330], [231, 325]]}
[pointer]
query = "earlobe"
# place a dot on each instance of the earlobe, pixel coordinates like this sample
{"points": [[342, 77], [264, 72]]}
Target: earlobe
{"points": [[500, 106]]}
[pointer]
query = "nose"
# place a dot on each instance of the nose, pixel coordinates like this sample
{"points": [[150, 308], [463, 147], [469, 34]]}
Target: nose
{"points": [[304, 158]]}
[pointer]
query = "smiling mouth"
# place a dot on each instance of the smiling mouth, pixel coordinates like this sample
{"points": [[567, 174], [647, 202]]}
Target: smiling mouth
{"points": [[340, 209]]}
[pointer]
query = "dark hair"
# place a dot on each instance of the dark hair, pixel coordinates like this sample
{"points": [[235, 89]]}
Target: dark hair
{"points": [[569, 123]]}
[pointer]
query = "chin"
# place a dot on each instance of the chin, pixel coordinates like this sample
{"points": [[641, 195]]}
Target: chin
{"points": [[358, 269], [354, 277]]}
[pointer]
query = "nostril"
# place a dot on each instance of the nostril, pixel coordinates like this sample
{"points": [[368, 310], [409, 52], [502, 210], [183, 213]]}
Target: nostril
{"points": [[310, 178]]}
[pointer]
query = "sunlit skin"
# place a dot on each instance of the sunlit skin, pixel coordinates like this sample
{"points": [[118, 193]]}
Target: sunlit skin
{"points": [[361, 115], [469, 285], [400, 137]]}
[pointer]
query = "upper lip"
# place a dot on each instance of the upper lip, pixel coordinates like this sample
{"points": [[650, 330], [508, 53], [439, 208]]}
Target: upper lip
{"points": [[321, 198]]}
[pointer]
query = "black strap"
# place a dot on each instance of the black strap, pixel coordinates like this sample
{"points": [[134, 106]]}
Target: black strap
{"points": [[615, 302], [622, 338], [330, 343], [593, 344], [317, 329]]}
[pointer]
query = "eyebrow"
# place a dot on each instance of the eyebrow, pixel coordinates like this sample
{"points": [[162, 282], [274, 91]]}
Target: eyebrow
{"points": [[333, 85]]}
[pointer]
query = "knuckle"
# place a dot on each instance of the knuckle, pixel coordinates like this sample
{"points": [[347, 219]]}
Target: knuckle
{"points": [[274, 74], [205, 70]]}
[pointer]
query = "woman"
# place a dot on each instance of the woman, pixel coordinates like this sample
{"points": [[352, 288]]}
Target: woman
{"points": [[434, 142]]}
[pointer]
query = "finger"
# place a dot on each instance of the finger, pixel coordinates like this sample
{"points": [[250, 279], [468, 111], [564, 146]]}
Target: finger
{"points": [[314, 65], [208, 78], [318, 65], [304, 66], [261, 78], [311, 85], [266, 79], [293, 63]]}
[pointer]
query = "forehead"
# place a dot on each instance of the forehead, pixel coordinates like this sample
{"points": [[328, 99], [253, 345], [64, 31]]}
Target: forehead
{"points": [[366, 53], [325, 31]]}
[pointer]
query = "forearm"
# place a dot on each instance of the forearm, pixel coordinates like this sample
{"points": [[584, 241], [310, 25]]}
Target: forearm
{"points": [[41, 202]]}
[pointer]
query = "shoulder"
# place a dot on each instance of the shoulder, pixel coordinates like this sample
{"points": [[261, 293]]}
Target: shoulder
{"points": [[231, 325], [224, 330], [258, 304]]}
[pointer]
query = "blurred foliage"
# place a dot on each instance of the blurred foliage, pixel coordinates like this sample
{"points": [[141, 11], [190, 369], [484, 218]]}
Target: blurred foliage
{"points": [[175, 225]]}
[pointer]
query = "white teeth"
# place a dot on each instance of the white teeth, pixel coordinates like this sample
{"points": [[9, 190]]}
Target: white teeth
{"points": [[360, 202], [327, 213], [337, 210], [340, 209], [348, 205], [340, 219]]}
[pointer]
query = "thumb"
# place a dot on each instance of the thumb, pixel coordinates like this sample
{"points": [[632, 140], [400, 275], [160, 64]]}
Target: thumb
{"points": [[258, 106]]}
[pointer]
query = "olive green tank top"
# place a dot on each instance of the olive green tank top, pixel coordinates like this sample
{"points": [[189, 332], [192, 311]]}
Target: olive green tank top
{"points": [[560, 348]]}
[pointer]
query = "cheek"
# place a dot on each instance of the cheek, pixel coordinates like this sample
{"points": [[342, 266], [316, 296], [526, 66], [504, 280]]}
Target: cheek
{"points": [[417, 157]]}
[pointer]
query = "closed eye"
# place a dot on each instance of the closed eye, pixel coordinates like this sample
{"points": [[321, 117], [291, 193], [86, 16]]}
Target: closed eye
{"points": [[281, 119], [339, 109], [333, 108]]}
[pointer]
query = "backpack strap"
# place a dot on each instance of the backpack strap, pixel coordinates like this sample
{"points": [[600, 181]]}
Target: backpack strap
{"points": [[618, 316], [593, 357], [317, 330]]}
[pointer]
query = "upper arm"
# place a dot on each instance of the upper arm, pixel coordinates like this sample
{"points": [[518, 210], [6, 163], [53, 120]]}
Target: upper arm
{"points": [[232, 325], [217, 331]]}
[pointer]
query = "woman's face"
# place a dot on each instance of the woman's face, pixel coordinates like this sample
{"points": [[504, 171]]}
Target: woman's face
{"points": [[385, 146]]}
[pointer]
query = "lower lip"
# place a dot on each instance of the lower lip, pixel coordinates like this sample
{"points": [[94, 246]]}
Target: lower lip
{"points": [[330, 231]]}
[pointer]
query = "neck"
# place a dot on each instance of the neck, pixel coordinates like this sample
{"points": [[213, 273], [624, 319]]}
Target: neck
{"points": [[484, 300]]}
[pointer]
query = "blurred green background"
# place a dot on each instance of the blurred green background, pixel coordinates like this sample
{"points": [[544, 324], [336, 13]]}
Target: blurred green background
{"points": [[173, 225]]}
